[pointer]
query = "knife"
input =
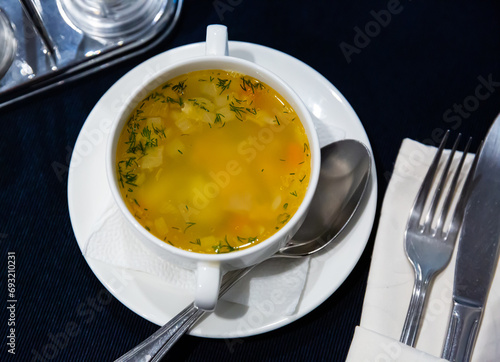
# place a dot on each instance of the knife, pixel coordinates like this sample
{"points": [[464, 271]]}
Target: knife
{"points": [[477, 252]]}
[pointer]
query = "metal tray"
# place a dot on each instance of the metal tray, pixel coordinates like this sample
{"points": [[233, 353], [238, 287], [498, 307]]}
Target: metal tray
{"points": [[57, 41]]}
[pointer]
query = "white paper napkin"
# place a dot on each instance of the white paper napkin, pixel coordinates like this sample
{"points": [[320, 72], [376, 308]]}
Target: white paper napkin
{"points": [[280, 281], [368, 346], [390, 281]]}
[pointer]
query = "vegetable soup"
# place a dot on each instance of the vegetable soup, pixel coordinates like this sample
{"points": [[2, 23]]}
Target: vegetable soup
{"points": [[213, 161]]}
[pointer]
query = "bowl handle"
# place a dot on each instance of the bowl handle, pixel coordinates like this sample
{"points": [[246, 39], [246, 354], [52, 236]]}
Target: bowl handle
{"points": [[208, 276], [216, 40]]}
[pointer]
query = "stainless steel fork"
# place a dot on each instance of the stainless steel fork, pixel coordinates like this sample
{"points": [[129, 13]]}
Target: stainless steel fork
{"points": [[428, 245]]}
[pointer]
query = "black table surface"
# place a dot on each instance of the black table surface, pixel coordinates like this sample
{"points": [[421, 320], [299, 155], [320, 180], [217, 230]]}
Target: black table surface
{"points": [[408, 68]]}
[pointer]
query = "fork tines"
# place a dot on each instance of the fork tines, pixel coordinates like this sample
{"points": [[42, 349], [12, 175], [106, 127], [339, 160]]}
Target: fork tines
{"points": [[425, 190]]}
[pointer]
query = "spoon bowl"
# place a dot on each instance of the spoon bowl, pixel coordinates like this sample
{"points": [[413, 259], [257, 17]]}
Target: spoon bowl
{"points": [[344, 175], [343, 179]]}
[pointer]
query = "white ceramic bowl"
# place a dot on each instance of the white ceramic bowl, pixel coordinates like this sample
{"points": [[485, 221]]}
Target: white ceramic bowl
{"points": [[210, 267]]}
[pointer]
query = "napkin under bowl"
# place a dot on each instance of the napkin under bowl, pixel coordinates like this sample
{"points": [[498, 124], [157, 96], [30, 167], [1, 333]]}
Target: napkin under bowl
{"points": [[112, 241]]}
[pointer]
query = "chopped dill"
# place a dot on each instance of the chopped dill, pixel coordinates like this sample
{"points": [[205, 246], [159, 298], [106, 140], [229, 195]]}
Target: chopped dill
{"points": [[277, 120], [224, 248], [141, 148], [180, 87], [197, 242], [248, 84], [218, 118], [160, 132], [285, 205], [128, 178], [180, 152], [131, 142], [302, 179], [150, 142], [156, 97], [130, 162], [171, 100], [238, 111], [283, 218], [294, 193], [189, 224], [223, 85], [198, 104]]}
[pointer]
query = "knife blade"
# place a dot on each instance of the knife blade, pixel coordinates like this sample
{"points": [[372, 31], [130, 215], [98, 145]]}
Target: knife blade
{"points": [[477, 253]]}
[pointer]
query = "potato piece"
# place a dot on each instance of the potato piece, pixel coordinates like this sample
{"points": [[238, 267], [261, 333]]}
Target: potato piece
{"points": [[161, 226], [226, 114], [208, 89], [276, 203], [185, 125], [209, 117], [242, 202], [154, 121], [153, 159], [208, 241], [222, 100]]}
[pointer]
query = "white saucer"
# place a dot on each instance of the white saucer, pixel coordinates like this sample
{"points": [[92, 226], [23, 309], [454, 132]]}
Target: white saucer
{"points": [[148, 296]]}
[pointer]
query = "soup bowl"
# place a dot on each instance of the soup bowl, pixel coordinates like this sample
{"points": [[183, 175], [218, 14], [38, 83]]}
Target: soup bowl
{"points": [[210, 267]]}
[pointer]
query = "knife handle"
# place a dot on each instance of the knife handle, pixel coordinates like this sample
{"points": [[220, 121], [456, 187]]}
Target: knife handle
{"points": [[462, 332]]}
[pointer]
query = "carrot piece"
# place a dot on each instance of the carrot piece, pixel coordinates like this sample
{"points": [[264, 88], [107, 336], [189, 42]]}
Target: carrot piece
{"points": [[295, 154]]}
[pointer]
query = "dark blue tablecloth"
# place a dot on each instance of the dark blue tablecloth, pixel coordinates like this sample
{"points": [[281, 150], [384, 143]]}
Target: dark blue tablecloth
{"points": [[408, 68]]}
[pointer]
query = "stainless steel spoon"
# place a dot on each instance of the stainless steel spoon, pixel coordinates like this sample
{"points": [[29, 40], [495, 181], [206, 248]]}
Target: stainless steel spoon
{"points": [[8, 44], [345, 172]]}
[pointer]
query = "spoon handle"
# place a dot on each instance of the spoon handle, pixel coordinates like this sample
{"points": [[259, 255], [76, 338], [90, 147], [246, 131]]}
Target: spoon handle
{"points": [[159, 343]]}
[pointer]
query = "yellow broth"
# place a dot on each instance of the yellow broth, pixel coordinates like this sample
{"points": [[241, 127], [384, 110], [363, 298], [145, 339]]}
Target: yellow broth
{"points": [[213, 161]]}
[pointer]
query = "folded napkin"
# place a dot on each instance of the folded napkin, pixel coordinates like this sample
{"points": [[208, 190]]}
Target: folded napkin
{"points": [[280, 281], [370, 346], [390, 281]]}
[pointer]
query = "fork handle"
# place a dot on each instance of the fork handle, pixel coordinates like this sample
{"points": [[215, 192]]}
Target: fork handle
{"points": [[462, 332], [413, 319]]}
